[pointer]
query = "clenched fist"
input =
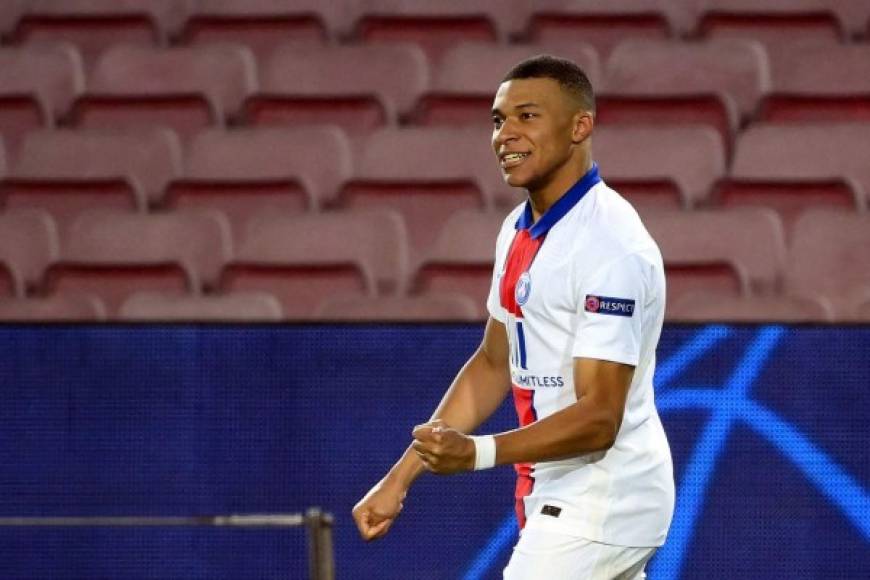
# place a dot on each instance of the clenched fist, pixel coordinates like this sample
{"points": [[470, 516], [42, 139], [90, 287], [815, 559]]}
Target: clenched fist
{"points": [[443, 450]]}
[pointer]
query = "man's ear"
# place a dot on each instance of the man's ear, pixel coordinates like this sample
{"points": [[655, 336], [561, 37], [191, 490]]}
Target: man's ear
{"points": [[581, 124]]}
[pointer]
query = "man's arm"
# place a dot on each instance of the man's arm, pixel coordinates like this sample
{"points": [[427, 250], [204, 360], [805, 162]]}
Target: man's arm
{"points": [[591, 424], [476, 392]]}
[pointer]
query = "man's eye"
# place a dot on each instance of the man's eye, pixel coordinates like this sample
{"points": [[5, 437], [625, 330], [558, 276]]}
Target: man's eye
{"points": [[496, 121], [526, 116]]}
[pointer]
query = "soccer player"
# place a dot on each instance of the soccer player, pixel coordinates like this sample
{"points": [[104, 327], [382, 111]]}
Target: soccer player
{"points": [[576, 309]]}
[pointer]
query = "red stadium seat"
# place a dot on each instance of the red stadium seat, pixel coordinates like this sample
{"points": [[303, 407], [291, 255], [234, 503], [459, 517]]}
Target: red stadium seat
{"points": [[671, 166], [828, 256], [357, 87], [777, 25], [94, 25], [113, 254], [704, 307], [465, 81], [732, 253], [37, 86], [244, 172], [235, 307], [461, 260], [425, 174], [805, 152], [820, 82], [731, 69], [303, 260], [433, 307], [604, 24], [263, 25], [28, 244], [66, 172], [185, 89], [438, 26], [61, 308]]}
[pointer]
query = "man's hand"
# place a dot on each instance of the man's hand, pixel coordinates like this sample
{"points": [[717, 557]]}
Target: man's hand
{"points": [[443, 450], [375, 513]]}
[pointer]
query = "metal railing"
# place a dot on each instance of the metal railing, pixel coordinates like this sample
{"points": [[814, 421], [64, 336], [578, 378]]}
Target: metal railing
{"points": [[321, 561]]}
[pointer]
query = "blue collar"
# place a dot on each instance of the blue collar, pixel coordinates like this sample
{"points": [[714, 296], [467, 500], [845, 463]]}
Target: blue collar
{"points": [[558, 210]]}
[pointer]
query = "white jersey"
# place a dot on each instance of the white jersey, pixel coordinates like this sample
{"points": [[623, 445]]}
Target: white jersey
{"points": [[586, 280]]}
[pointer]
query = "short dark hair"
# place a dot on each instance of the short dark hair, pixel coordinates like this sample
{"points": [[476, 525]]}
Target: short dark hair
{"points": [[569, 76]]}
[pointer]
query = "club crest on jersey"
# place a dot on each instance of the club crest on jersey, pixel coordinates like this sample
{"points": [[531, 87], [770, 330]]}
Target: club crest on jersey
{"points": [[609, 305], [523, 288]]}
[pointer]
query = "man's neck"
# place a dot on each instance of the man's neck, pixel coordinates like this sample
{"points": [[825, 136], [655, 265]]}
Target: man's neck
{"points": [[543, 198]]}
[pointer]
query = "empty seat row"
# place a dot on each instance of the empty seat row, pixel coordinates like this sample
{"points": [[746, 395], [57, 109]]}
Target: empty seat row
{"points": [[434, 26], [738, 256]]}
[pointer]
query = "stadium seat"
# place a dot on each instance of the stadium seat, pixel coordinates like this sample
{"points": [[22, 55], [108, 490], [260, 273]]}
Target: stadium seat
{"points": [[10, 12], [660, 166], [186, 89], [113, 254], [777, 25], [37, 87], [604, 24], [303, 260], [828, 256], [246, 171], [28, 244], [94, 25], [704, 307], [67, 171], [819, 82], [805, 152], [263, 25], [235, 307], [734, 71], [434, 307], [426, 174], [438, 26], [357, 87], [729, 252], [71, 307], [465, 81], [461, 260], [861, 312]]}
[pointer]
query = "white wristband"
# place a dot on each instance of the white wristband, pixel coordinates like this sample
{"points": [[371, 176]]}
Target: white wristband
{"points": [[484, 452]]}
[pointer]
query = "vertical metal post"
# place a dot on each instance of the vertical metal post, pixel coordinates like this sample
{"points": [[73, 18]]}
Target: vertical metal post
{"points": [[321, 563]]}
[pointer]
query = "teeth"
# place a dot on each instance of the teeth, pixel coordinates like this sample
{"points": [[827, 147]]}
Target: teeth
{"points": [[514, 156]]}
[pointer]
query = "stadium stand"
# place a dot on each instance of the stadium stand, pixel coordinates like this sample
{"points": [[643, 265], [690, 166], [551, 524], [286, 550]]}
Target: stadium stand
{"points": [[37, 87], [263, 25], [360, 87], [303, 260], [233, 307], [71, 307], [113, 254], [185, 89], [248, 171], [605, 24], [66, 172], [28, 244], [828, 257], [464, 82], [95, 25], [431, 307], [701, 306], [461, 259]]}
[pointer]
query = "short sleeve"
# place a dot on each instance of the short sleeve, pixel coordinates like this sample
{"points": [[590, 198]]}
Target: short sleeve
{"points": [[611, 305]]}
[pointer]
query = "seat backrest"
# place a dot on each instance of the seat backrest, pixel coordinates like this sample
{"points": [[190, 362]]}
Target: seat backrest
{"points": [[28, 244], [733, 67], [692, 156], [434, 307], [233, 307], [147, 159], [226, 74], [318, 157], [60, 307], [814, 68], [396, 74], [167, 15], [52, 73]]}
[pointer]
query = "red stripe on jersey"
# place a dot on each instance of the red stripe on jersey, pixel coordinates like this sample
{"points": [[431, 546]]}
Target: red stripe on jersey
{"points": [[524, 401], [522, 251]]}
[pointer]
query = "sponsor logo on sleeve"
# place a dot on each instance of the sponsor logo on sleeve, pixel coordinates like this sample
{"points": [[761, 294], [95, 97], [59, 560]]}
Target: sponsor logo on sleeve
{"points": [[609, 305]]}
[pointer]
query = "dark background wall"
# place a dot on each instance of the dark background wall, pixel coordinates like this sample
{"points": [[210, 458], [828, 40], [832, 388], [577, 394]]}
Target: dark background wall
{"points": [[768, 427]]}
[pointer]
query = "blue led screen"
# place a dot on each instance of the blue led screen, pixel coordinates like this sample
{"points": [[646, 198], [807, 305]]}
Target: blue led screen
{"points": [[768, 427]]}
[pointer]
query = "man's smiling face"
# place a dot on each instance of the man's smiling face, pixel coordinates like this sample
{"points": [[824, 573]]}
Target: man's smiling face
{"points": [[532, 131]]}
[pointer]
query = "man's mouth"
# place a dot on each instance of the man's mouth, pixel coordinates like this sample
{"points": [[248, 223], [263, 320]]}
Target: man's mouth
{"points": [[510, 160]]}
